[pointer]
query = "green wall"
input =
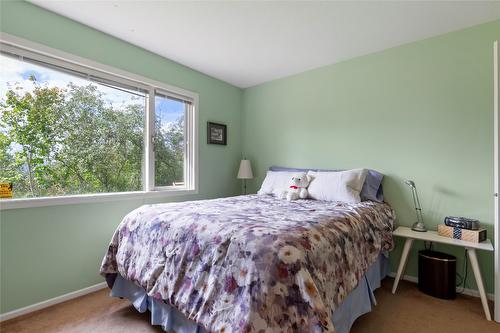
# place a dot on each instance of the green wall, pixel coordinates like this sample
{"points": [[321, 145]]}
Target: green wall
{"points": [[422, 111], [50, 251]]}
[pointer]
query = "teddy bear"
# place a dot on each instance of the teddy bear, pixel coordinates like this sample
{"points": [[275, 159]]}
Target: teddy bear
{"points": [[297, 188]]}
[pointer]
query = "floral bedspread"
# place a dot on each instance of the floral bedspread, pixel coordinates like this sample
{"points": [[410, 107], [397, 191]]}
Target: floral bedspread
{"points": [[251, 263]]}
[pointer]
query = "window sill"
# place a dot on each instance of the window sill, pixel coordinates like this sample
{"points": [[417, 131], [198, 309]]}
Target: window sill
{"points": [[91, 198]]}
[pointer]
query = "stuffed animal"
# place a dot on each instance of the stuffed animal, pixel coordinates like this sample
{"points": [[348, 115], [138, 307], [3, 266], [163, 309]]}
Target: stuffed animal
{"points": [[297, 187]]}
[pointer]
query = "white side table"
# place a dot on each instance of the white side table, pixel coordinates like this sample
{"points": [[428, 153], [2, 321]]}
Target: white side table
{"points": [[432, 236]]}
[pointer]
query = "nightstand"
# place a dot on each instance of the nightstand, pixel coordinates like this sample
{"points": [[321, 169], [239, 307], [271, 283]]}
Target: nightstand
{"points": [[432, 236]]}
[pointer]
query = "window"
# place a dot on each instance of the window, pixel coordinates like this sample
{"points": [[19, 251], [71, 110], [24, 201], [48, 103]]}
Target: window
{"points": [[68, 129], [169, 140]]}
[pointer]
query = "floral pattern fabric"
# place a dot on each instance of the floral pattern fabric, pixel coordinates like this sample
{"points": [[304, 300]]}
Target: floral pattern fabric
{"points": [[251, 263]]}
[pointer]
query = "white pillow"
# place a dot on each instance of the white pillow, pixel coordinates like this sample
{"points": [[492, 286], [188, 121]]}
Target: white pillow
{"points": [[343, 186], [275, 182]]}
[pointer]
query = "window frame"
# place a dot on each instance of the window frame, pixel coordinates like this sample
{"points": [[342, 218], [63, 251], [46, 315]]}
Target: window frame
{"points": [[188, 176], [25, 48]]}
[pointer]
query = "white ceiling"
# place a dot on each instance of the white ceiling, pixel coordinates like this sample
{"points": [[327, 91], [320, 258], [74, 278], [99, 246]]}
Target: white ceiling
{"points": [[248, 43]]}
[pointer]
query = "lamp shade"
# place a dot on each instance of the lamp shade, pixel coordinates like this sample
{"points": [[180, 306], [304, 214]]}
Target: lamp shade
{"points": [[245, 171]]}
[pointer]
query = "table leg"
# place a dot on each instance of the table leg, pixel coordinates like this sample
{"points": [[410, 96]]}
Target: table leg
{"points": [[402, 263], [479, 281]]}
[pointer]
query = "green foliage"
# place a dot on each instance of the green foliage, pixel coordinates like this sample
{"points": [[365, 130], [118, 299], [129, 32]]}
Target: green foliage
{"points": [[70, 141], [169, 153]]}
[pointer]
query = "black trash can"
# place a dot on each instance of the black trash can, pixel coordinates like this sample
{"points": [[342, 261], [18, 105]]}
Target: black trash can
{"points": [[437, 274]]}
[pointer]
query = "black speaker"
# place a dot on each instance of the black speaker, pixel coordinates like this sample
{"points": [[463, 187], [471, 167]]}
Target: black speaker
{"points": [[437, 274]]}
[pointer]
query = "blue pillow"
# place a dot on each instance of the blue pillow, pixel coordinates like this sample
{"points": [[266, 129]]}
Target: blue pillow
{"points": [[372, 188]]}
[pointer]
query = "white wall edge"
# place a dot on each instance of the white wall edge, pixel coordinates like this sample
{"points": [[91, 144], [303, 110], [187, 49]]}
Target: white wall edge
{"points": [[52, 301], [496, 177], [466, 291]]}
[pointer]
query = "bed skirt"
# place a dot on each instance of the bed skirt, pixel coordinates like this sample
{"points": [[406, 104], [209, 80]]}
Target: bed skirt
{"points": [[358, 302]]}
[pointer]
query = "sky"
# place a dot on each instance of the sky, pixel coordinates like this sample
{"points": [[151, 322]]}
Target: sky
{"points": [[16, 72], [168, 110]]}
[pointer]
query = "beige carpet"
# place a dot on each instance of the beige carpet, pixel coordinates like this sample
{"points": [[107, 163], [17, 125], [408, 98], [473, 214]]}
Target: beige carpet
{"points": [[408, 311]]}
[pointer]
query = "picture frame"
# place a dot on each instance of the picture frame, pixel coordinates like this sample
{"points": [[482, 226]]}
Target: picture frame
{"points": [[216, 133]]}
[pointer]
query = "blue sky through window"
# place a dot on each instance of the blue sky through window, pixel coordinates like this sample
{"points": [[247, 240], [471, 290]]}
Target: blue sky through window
{"points": [[38, 76], [168, 110], [18, 73]]}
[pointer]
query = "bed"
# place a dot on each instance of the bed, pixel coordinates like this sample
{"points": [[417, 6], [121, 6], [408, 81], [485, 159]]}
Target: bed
{"points": [[250, 263]]}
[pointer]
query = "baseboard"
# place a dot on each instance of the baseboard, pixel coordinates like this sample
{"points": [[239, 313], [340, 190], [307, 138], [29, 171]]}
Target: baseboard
{"points": [[52, 301], [465, 291]]}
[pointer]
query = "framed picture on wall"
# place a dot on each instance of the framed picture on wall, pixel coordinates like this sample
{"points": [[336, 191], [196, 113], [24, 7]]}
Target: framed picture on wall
{"points": [[216, 134]]}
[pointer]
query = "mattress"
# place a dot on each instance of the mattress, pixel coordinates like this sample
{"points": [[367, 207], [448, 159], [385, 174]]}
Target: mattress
{"points": [[250, 263]]}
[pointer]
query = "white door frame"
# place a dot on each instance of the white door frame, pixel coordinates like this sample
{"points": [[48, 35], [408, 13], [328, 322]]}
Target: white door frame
{"points": [[496, 75]]}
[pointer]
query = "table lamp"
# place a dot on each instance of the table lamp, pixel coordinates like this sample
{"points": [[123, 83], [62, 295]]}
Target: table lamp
{"points": [[245, 172], [419, 225]]}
